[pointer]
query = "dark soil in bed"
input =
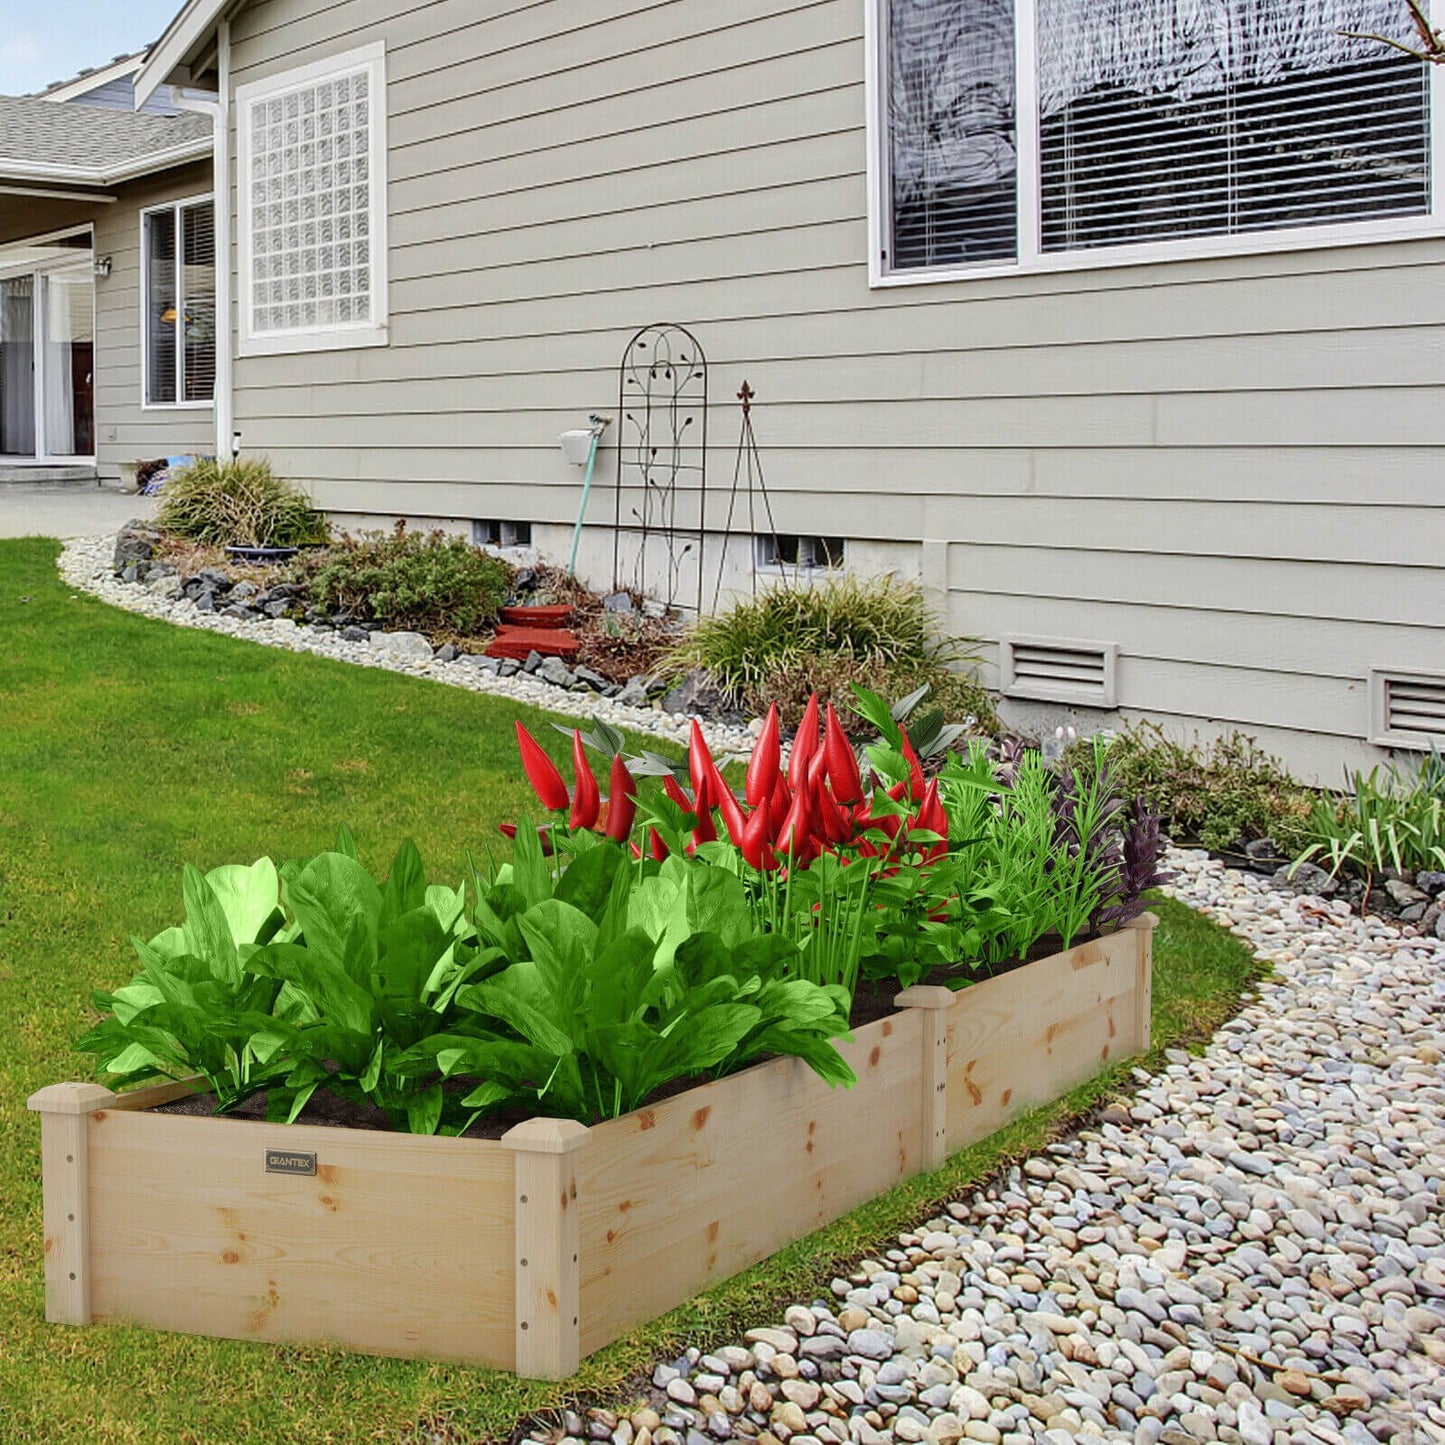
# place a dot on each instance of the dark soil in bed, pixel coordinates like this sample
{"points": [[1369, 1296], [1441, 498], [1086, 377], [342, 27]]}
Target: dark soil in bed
{"points": [[871, 1002]]}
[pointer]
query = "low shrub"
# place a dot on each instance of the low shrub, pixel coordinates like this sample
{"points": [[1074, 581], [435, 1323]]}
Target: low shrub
{"points": [[1390, 817], [238, 504], [789, 642], [421, 582], [1219, 793]]}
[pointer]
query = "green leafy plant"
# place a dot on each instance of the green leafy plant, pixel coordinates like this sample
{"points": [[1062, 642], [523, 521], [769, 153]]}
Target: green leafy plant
{"points": [[1219, 793], [789, 642], [623, 981], [195, 1005], [422, 582], [1390, 817], [238, 503]]}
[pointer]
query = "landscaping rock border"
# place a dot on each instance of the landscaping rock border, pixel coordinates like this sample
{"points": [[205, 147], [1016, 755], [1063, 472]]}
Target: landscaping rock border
{"points": [[1249, 1251], [243, 610]]}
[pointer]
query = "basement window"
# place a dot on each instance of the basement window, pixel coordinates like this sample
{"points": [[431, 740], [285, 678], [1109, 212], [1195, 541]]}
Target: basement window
{"points": [[790, 549], [501, 534]]}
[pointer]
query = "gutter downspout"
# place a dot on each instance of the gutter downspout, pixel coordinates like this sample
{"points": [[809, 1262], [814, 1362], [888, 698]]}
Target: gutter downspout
{"points": [[219, 111]]}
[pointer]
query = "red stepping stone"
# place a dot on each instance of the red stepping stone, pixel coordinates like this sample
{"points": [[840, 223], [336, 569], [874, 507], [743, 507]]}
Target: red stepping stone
{"points": [[517, 642], [541, 616]]}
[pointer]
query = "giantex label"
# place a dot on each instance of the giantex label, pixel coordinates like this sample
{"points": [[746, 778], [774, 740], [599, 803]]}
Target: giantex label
{"points": [[289, 1161]]}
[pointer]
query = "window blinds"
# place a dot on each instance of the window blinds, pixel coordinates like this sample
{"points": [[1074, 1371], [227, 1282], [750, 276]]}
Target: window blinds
{"points": [[1160, 120], [198, 289], [952, 132], [1156, 120]]}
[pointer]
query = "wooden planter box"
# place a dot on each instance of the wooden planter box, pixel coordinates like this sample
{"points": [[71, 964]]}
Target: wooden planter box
{"points": [[528, 1252]]}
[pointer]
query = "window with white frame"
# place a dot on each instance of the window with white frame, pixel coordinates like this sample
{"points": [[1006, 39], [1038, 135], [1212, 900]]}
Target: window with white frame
{"points": [[1020, 133], [178, 304], [312, 155]]}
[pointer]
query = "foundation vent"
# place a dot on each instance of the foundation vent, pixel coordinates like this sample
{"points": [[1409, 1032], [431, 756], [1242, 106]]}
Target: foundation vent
{"points": [[1407, 708], [1056, 669]]}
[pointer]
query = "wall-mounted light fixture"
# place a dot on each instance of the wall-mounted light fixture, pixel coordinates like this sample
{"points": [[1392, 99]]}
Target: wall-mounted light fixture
{"points": [[102, 267]]}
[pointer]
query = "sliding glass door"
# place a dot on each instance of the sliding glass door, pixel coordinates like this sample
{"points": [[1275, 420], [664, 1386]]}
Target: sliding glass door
{"points": [[68, 363], [47, 363], [17, 366]]}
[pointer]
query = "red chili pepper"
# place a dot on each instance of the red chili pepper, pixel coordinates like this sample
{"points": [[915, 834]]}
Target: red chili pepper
{"points": [[842, 761], [781, 799], [542, 772], [831, 822], [732, 814], [765, 762], [621, 802], [656, 845], [933, 818], [706, 830], [544, 833], [916, 782], [796, 830], [673, 789], [586, 801], [805, 744], [756, 844], [700, 767]]}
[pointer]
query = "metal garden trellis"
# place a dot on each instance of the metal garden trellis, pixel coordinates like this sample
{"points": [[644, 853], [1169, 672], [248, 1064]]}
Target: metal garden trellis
{"points": [[661, 447]]}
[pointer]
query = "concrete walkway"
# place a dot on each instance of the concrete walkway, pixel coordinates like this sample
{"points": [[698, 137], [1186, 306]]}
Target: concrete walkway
{"points": [[47, 509]]}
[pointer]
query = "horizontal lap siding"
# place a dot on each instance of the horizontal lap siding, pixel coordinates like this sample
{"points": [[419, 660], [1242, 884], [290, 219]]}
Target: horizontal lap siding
{"points": [[1228, 467], [125, 431]]}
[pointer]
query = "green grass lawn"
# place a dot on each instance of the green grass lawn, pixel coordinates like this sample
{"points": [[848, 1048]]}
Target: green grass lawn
{"points": [[129, 747]]}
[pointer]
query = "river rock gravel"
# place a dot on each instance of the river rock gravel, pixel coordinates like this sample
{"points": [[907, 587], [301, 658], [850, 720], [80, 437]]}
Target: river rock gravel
{"points": [[87, 563], [1249, 1250]]}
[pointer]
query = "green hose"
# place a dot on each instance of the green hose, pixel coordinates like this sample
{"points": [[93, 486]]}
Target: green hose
{"points": [[586, 492]]}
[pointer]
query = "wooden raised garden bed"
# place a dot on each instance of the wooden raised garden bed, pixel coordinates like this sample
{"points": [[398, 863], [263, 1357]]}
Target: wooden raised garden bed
{"points": [[528, 1252]]}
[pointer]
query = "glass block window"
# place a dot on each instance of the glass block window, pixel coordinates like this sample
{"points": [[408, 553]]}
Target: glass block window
{"points": [[312, 153]]}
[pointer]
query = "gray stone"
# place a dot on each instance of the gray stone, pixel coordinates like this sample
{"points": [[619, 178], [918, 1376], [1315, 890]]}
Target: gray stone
{"points": [[618, 602], [448, 652], [355, 634], [135, 542], [1306, 878], [408, 645], [696, 695], [555, 671], [870, 1344], [594, 680]]}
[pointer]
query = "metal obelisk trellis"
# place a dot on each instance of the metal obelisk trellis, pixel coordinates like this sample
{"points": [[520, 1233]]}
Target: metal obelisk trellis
{"points": [[747, 474], [661, 457]]}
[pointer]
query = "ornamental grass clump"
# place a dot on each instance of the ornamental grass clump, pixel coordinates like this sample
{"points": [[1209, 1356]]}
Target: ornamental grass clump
{"points": [[238, 503], [1391, 817], [790, 642]]}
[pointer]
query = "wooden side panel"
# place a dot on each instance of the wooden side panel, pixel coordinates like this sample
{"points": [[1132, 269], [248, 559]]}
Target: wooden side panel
{"points": [[698, 1187], [1027, 1037], [397, 1245]]}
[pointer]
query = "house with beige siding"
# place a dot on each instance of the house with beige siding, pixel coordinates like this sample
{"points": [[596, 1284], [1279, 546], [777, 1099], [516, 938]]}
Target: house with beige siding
{"points": [[1119, 324]]}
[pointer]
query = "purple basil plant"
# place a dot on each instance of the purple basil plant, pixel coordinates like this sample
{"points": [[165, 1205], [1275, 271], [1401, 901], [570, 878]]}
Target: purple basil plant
{"points": [[1138, 850]]}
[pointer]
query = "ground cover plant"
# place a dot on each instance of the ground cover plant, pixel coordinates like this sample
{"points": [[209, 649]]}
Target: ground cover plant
{"points": [[1223, 793], [130, 747], [239, 503], [788, 642], [412, 581]]}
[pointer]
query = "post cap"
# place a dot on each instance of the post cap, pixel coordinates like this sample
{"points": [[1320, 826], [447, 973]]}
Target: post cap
{"points": [[547, 1136], [69, 1099], [925, 995]]}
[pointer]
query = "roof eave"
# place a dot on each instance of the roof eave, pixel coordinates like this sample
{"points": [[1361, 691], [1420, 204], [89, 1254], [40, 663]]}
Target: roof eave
{"points": [[175, 46], [100, 177]]}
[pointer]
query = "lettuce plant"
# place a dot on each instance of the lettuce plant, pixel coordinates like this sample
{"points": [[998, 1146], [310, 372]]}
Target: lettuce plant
{"points": [[624, 979]]}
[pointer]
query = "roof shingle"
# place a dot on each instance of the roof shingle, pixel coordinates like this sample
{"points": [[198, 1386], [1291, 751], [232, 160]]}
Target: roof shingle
{"points": [[89, 142]]}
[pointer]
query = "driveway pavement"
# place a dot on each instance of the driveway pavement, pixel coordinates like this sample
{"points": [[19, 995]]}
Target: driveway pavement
{"points": [[46, 510]]}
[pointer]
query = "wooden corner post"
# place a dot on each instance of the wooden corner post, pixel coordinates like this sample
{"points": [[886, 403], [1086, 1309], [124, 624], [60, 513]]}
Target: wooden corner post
{"points": [[65, 1111], [546, 1247], [1144, 926], [933, 1003]]}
